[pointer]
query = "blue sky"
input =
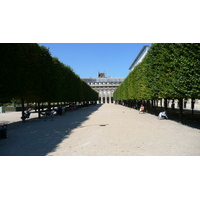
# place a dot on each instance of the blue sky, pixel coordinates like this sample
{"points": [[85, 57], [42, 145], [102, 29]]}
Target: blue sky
{"points": [[86, 59]]}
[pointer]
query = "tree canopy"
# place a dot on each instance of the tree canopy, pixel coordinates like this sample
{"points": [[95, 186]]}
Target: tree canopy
{"points": [[29, 72], [169, 70]]}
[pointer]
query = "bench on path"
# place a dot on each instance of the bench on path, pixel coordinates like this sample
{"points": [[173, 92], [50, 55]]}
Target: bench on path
{"points": [[48, 113]]}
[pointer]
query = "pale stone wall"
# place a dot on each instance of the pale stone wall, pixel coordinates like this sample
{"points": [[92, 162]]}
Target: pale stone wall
{"points": [[187, 103]]}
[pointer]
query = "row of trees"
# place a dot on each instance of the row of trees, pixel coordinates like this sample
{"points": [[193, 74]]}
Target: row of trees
{"points": [[169, 71], [30, 73]]}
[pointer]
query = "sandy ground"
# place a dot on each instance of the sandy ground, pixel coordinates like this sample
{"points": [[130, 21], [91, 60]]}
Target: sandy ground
{"points": [[100, 130]]}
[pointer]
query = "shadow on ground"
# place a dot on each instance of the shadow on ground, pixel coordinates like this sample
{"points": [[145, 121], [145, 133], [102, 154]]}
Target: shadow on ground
{"points": [[189, 119], [38, 137]]}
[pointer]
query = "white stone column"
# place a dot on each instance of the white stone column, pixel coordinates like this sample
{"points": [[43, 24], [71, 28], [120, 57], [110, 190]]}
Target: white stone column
{"points": [[197, 104], [189, 104], [109, 96], [101, 93], [176, 103]]}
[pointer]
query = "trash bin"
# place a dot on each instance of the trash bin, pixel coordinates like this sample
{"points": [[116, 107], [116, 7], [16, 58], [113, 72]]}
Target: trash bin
{"points": [[3, 132], [2, 109], [3, 129]]}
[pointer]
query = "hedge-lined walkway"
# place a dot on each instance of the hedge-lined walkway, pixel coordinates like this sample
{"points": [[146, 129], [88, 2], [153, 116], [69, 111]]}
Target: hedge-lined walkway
{"points": [[100, 130]]}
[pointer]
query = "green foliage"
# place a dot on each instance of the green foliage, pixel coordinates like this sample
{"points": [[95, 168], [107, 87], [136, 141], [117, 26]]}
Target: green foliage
{"points": [[30, 73], [168, 71]]}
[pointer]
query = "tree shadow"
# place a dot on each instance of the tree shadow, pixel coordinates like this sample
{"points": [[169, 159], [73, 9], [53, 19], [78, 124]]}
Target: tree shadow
{"points": [[38, 137], [189, 119]]}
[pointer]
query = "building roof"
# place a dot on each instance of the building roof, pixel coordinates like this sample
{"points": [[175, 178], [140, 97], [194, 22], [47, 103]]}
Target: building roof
{"points": [[103, 80], [144, 49]]}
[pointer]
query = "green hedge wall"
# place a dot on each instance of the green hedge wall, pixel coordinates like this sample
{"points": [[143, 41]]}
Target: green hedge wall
{"points": [[29, 72], [168, 71]]}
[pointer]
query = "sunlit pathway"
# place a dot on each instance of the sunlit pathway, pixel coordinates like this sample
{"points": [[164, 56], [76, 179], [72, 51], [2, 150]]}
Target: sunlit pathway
{"points": [[98, 130], [114, 130]]}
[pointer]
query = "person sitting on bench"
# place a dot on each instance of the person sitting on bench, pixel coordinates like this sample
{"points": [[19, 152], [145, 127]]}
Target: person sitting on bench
{"points": [[27, 114], [141, 109]]}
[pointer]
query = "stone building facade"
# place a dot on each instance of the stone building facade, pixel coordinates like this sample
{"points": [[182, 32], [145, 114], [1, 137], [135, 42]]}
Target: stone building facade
{"points": [[139, 57], [187, 104], [105, 86]]}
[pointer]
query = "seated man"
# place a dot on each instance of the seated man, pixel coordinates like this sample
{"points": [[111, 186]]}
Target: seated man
{"points": [[162, 115], [51, 113], [27, 114]]}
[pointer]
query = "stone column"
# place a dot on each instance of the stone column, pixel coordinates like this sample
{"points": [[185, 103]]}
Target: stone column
{"points": [[101, 92], [109, 96], [197, 104], [189, 104]]}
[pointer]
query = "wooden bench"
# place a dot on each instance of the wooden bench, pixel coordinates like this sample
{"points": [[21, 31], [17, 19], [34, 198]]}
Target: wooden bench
{"points": [[48, 113]]}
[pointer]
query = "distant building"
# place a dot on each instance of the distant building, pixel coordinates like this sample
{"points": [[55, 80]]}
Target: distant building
{"points": [[101, 75], [140, 57], [105, 86]]}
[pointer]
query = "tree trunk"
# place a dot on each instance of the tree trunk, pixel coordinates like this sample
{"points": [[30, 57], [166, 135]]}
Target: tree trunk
{"points": [[165, 103], [49, 106], [42, 107], [192, 106], [35, 107], [154, 103], [180, 110], [39, 112], [23, 110]]}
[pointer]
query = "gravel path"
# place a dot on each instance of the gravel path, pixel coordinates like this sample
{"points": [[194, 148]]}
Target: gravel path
{"points": [[100, 130]]}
